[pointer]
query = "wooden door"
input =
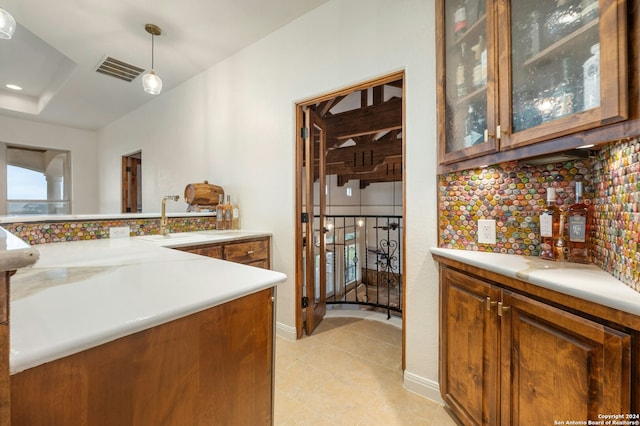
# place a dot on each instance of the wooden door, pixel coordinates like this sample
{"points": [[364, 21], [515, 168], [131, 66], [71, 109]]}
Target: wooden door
{"points": [[563, 367], [469, 337], [315, 250], [131, 181]]}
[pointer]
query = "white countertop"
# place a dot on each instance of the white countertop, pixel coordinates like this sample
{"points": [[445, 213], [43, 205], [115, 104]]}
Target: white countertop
{"points": [[85, 293], [586, 282], [15, 253]]}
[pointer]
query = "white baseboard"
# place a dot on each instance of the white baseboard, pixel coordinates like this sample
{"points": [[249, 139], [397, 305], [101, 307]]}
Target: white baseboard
{"points": [[286, 332], [425, 387]]}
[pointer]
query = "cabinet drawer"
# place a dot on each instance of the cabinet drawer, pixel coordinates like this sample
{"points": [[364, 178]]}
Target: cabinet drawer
{"points": [[211, 251], [248, 252]]}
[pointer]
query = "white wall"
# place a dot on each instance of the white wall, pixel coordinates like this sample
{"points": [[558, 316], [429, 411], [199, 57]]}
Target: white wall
{"points": [[81, 143], [234, 125]]}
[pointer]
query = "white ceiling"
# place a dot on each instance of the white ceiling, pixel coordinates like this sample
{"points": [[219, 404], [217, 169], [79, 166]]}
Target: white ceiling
{"points": [[58, 45]]}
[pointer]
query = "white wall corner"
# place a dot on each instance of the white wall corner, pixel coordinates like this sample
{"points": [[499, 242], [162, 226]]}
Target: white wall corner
{"points": [[286, 332], [428, 388]]}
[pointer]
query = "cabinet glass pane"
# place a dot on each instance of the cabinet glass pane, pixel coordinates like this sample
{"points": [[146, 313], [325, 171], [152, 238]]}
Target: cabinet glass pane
{"points": [[555, 66], [466, 73]]}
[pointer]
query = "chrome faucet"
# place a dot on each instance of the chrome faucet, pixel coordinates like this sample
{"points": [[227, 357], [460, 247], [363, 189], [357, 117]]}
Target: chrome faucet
{"points": [[164, 229]]}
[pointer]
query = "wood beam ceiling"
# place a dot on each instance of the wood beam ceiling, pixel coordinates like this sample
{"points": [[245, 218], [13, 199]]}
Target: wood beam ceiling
{"points": [[364, 143]]}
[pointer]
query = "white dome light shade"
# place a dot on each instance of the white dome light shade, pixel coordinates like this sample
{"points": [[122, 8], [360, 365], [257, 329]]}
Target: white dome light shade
{"points": [[7, 24], [152, 83]]}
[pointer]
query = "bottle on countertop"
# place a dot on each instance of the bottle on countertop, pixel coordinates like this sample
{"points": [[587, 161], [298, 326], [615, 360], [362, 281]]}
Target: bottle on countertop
{"points": [[220, 213], [228, 214], [549, 227], [579, 226], [236, 216]]}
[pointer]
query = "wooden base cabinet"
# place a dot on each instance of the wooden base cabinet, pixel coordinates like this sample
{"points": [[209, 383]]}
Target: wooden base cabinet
{"points": [[509, 359], [252, 252], [214, 367]]}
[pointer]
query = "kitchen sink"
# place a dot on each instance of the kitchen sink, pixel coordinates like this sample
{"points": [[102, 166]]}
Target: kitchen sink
{"points": [[176, 238]]}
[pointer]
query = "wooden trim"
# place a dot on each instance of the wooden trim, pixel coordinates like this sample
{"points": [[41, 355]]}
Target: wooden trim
{"points": [[298, 234], [403, 278], [399, 75], [599, 136]]}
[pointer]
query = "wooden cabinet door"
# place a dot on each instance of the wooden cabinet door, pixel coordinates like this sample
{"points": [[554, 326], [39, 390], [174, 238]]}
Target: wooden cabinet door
{"points": [[469, 347], [563, 367], [545, 51], [466, 60]]}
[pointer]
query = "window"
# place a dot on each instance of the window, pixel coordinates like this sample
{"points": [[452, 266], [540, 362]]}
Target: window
{"points": [[37, 181]]}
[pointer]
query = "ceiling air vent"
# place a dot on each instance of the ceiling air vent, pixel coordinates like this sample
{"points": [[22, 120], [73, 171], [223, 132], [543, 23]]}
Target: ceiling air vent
{"points": [[118, 69]]}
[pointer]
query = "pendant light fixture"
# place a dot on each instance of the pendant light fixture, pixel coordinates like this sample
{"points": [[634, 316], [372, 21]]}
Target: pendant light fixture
{"points": [[7, 24], [151, 82]]}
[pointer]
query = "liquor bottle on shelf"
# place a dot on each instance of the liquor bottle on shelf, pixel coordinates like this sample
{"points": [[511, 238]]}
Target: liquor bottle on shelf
{"points": [[549, 227], [471, 133], [220, 213], [459, 19], [589, 11], [461, 73], [482, 6], [565, 19], [533, 46], [480, 68], [591, 74], [564, 95], [228, 214], [579, 225], [471, 11]]}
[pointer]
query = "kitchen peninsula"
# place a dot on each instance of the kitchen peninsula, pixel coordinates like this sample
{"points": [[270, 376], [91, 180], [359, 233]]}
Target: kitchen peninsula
{"points": [[128, 331]]}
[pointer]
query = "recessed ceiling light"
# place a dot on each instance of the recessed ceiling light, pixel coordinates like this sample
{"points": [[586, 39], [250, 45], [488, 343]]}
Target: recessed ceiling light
{"points": [[13, 87]]}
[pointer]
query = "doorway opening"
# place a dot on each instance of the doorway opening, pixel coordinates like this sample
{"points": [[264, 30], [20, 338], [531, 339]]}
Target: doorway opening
{"points": [[350, 201], [132, 183]]}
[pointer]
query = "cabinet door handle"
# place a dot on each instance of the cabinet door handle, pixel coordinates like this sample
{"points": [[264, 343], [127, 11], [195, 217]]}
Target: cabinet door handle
{"points": [[500, 131], [490, 304], [488, 135], [502, 309], [250, 252]]}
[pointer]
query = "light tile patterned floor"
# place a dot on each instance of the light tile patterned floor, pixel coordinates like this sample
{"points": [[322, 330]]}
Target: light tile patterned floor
{"points": [[348, 373]]}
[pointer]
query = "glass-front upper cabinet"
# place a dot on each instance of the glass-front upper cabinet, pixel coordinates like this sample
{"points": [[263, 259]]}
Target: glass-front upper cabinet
{"points": [[465, 52], [516, 72], [564, 68]]}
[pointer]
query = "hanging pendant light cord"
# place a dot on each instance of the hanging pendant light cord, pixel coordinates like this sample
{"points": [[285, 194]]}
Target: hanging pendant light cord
{"points": [[152, 49]]}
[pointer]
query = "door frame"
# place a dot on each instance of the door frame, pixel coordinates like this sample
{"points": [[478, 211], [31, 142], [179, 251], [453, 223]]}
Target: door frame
{"points": [[131, 181], [299, 157]]}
